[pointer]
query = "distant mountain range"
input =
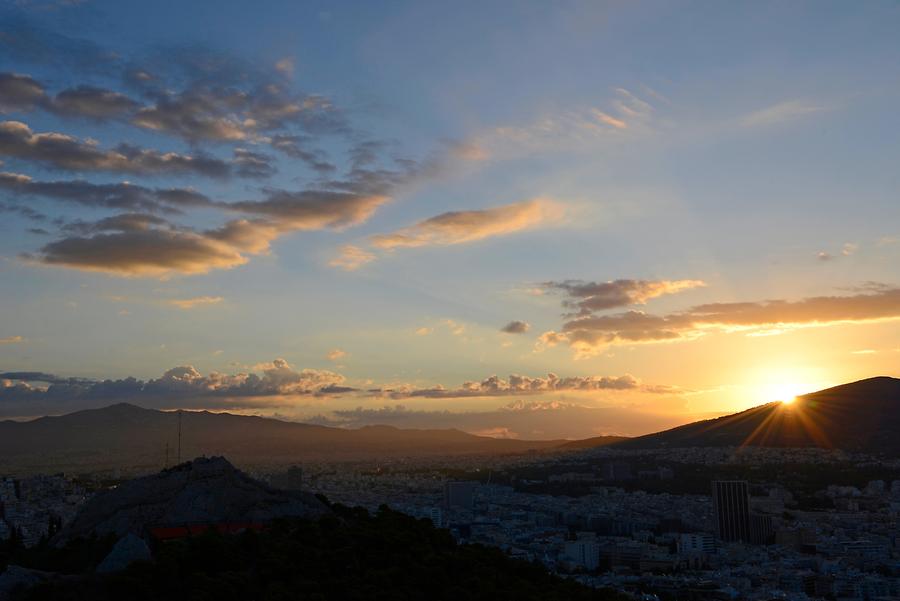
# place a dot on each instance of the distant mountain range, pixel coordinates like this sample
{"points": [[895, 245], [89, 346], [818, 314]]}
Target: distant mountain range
{"points": [[125, 436], [861, 416]]}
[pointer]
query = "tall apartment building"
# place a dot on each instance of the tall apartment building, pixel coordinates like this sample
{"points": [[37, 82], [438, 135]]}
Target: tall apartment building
{"points": [[731, 506]]}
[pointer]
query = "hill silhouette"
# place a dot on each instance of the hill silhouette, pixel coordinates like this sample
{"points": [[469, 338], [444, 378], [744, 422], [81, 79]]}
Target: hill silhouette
{"points": [[859, 416], [125, 436], [345, 555], [202, 491]]}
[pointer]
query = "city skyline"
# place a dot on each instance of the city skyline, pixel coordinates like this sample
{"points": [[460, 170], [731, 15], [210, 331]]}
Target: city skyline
{"points": [[621, 217]]}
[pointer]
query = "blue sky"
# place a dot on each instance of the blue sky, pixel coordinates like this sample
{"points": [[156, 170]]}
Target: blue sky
{"points": [[714, 182]]}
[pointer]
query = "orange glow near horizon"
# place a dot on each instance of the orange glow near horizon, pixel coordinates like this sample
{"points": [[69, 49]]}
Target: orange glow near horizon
{"points": [[785, 384]]}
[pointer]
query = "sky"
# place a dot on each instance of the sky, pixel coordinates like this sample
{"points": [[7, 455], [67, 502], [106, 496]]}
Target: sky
{"points": [[521, 219]]}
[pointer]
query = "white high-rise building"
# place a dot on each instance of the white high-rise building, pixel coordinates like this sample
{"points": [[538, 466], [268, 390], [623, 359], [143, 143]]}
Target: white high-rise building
{"points": [[697, 542], [584, 552]]}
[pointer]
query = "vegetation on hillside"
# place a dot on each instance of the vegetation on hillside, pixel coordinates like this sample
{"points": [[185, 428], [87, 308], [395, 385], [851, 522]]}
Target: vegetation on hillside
{"points": [[348, 555]]}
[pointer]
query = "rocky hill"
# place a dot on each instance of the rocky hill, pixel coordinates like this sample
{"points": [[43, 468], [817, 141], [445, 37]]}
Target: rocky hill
{"points": [[202, 491]]}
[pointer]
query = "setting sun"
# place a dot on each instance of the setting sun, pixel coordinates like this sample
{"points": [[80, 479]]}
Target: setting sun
{"points": [[786, 392]]}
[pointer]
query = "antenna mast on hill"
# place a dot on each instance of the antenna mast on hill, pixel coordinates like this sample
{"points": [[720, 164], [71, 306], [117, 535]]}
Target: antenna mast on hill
{"points": [[179, 436]]}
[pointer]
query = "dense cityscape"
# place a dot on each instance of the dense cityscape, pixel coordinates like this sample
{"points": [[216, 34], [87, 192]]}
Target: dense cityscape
{"points": [[617, 528]]}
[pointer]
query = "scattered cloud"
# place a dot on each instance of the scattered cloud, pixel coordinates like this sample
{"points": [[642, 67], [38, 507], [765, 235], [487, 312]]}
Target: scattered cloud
{"points": [[628, 116], [19, 92], [780, 113], [424, 331], [523, 385], [250, 164], [351, 258], [336, 354], [285, 66], [549, 340], [197, 301], [456, 328], [156, 248], [62, 151], [518, 419], [589, 334], [92, 103], [458, 227], [312, 209], [22, 393], [145, 246], [847, 250], [588, 297], [516, 327], [121, 196]]}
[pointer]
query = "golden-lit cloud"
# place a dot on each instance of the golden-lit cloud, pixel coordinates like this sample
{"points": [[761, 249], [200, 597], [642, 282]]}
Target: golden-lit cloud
{"points": [[351, 258], [197, 301], [588, 297], [309, 210], [589, 334], [12, 340], [515, 384], [460, 227], [180, 386], [609, 119], [456, 227], [147, 246], [143, 246], [336, 354], [532, 419]]}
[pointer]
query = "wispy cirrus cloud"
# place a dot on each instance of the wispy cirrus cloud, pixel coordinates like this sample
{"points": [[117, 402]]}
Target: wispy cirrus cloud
{"points": [[625, 116], [782, 112]]}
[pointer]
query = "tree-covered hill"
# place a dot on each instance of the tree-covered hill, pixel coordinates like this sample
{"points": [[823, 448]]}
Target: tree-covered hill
{"points": [[347, 555]]}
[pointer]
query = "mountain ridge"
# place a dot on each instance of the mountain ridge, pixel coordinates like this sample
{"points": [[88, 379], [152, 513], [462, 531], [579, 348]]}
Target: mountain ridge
{"points": [[856, 416], [123, 435]]}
